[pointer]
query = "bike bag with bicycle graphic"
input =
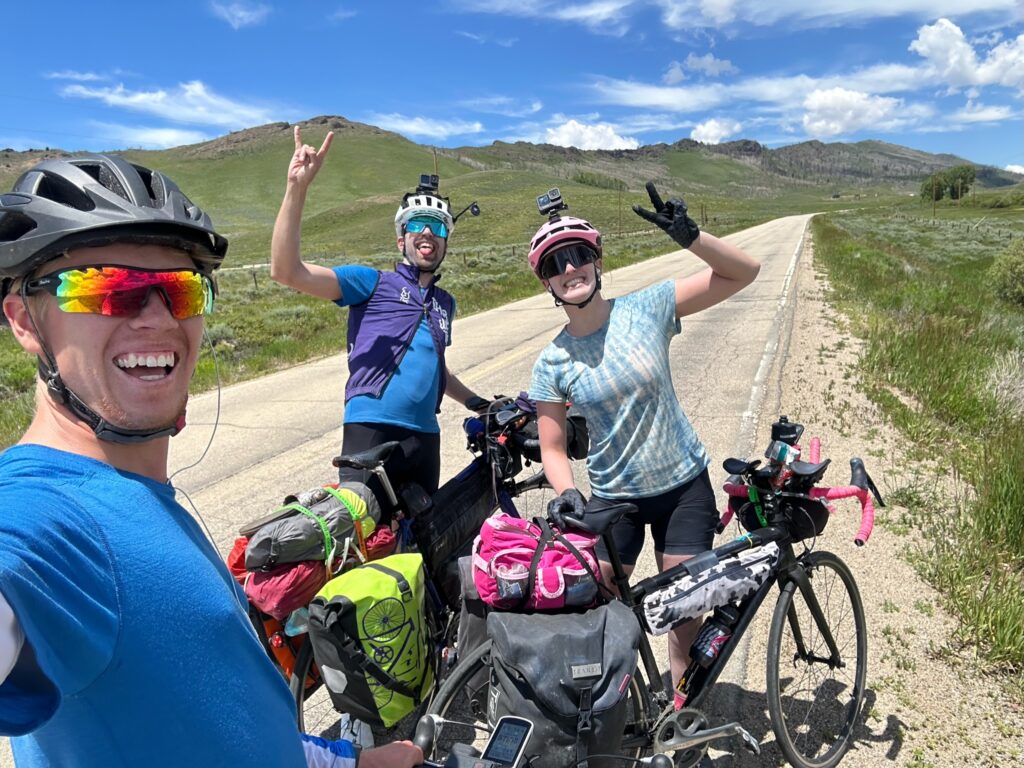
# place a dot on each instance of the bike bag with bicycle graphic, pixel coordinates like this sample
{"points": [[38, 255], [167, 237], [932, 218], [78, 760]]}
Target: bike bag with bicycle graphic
{"points": [[370, 639], [528, 565], [692, 595], [568, 673]]}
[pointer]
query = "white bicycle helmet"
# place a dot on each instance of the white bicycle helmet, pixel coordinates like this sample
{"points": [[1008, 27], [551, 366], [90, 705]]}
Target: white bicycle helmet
{"points": [[423, 204]]}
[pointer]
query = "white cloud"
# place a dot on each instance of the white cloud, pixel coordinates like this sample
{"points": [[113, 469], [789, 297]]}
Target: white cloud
{"points": [[706, 64], [640, 123], [947, 52], [604, 17], [69, 74], [719, 14], [713, 131], [424, 126], [709, 65], [582, 136], [341, 13], [128, 136], [191, 102], [1015, 169], [674, 74], [240, 15], [953, 61], [838, 111], [504, 42], [504, 105], [979, 113]]}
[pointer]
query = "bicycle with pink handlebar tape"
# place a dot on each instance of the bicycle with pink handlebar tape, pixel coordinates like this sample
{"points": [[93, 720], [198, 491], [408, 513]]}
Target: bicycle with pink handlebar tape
{"points": [[817, 644]]}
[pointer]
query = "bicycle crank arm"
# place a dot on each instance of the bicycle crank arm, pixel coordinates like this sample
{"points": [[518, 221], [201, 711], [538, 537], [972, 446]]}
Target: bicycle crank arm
{"points": [[671, 739]]}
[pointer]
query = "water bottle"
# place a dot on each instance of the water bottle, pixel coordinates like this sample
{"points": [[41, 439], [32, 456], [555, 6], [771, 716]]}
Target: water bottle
{"points": [[297, 623], [714, 634]]}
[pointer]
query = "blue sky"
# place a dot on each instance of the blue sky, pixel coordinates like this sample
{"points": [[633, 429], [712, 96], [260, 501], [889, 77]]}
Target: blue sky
{"points": [[594, 74]]}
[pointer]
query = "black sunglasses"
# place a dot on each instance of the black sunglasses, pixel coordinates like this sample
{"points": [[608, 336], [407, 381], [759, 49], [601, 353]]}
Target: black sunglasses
{"points": [[555, 263]]}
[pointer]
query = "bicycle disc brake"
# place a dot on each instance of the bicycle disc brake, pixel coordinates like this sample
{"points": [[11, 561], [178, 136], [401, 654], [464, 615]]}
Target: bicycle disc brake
{"points": [[673, 735]]}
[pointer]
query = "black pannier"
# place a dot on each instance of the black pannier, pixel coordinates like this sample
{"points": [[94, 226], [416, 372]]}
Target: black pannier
{"points": [[570, 674]]}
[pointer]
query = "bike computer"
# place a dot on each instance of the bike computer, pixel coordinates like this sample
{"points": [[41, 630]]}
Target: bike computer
{"points": [[508, 742]]}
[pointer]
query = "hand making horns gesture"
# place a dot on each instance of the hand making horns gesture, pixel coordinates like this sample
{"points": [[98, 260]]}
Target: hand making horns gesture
{"points": [[306, 161]]}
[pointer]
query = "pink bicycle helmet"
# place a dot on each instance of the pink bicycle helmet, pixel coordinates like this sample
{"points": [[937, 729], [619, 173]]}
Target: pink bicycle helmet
{"points": [[559, 231]]}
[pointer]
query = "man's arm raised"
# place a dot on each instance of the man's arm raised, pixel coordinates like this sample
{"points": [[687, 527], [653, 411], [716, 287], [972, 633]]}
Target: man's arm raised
{"points": [[286, 264]]}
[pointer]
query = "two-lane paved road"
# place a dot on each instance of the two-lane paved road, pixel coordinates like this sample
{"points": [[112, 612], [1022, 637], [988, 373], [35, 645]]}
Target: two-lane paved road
{"points": [[276, 435]]}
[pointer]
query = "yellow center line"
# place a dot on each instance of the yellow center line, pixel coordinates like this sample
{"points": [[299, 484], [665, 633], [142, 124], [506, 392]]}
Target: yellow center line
{"points": [[503, 361]]}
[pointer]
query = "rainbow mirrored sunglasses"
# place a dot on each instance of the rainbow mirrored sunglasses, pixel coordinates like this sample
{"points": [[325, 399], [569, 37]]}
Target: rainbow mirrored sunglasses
{"points": [[114, 291], [555, 263], [417, 224]]}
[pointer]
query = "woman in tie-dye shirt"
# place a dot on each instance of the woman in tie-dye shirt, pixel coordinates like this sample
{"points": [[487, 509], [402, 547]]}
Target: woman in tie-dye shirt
{"points": [[611, 360]]}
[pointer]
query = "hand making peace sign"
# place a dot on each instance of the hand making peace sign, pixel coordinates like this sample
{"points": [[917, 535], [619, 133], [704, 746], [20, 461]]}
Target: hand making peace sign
{"points": [[306, 161]]}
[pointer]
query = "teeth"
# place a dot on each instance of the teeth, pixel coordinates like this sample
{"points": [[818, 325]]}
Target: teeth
{"points": [[131, 360]]}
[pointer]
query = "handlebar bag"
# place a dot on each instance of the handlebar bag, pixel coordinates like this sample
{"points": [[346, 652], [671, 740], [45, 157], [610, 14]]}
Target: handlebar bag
{"points": [[444, 531], [370, 639], [528, 565], [730, 580], [570, 675]]}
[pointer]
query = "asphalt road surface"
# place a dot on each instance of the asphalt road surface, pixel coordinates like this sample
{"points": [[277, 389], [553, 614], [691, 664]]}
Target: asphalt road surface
{"points": [[276, 435]]}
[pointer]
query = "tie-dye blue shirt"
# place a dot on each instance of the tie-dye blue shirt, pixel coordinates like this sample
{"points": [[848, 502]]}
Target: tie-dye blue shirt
{"points": [[641, 442]]}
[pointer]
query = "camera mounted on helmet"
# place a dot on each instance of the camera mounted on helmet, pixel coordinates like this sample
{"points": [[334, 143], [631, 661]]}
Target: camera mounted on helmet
{"points": [[428, 183], [550, 203]]}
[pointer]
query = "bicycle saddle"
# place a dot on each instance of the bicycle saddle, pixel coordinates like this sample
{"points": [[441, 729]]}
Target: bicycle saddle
{"points": [[368, 459], [599, 522]]}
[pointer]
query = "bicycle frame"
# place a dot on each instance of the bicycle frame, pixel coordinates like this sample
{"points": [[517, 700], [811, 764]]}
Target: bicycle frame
{"points": [[791, 567]]}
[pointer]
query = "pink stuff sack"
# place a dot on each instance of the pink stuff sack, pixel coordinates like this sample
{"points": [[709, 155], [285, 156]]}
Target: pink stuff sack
{"points": [[528, 565]]}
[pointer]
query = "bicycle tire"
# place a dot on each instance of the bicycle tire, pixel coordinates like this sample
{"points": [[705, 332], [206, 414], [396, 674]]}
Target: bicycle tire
{"points": [[463, 698], [814, 706], [297, 682]]}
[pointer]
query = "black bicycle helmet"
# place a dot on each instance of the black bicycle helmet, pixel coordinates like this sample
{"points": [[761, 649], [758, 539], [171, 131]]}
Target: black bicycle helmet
{"points": [[95, 200]]}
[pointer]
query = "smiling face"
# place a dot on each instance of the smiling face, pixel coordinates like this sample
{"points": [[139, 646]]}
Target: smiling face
{"points": [[576, 284], [423, 249], [132, 371]]}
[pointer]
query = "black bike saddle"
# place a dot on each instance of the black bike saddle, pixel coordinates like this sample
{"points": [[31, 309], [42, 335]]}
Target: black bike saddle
{"points": [[597, 522], [371, 458]]}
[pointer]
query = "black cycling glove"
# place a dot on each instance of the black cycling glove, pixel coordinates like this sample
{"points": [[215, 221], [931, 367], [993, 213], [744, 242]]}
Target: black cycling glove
{"points": [[570, 506], [670, 216]]}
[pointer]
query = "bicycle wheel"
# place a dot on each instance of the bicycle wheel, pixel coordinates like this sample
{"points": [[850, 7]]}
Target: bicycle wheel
{"points": [[462, 700], [298, 682], [814, 700]]}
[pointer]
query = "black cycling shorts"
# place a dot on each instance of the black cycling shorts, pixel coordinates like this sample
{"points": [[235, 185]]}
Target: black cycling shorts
{"points": [[682, 521]]}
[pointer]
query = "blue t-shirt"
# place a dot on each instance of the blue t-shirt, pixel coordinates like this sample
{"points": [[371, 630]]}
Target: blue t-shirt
{"points": [[410, 397], [136, 621], [641, 442]]}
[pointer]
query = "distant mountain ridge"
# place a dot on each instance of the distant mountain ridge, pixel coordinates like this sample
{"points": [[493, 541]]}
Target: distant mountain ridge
{"points": [[861, 164]]}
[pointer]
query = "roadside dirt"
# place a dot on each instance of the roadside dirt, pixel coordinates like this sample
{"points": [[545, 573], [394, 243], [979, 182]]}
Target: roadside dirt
{"points": [[929, 702]]}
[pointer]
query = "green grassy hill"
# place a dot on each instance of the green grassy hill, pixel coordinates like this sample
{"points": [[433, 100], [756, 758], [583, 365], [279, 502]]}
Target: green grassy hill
{"points": [[239, 179]]}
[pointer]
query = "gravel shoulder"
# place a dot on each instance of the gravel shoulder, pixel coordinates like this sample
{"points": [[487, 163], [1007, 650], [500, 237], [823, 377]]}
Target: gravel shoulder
{"points": [[929, 702]]}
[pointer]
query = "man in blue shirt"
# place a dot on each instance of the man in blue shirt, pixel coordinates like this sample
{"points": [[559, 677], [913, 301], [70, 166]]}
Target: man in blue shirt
{"points": [[399, 326], [124, 640]]}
